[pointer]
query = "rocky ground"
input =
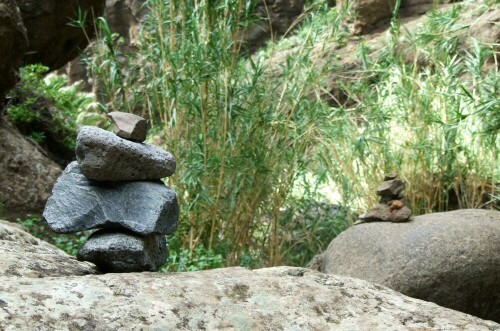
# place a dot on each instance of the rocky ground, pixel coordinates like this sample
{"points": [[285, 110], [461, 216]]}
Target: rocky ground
{"points": [[42, 288]]}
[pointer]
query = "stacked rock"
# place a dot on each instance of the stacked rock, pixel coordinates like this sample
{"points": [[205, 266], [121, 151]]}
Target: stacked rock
{"points": [[115, 186], [392, 206]]}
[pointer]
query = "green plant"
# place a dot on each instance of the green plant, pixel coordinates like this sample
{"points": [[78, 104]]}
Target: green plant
{"points": [[181, 259], [423, 102], [247, 130], [48, 103], [70, 243], [241, 138]]}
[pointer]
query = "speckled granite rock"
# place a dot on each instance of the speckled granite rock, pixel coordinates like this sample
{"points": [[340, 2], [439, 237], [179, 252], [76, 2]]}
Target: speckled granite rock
{"points": [[22, 255], [282, 298]]}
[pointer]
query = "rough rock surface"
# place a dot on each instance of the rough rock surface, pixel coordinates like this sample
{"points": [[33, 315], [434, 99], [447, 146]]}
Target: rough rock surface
{"points": [[282, 298], [26, 174], [124, 17], [485, 28], [449, 258], [78, 204], [277, 18], [382, 212], [390, 187], [22, 255], [13, 44], [129, 126], [102, 155], [368, 12], [53, 40], [124, 252]]}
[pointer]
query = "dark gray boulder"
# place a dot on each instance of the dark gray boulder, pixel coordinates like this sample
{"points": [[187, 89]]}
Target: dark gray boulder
{"points": [[124, 252], [451, 258], [53, 37], [79, 204], [13, 43], [104, 156]]}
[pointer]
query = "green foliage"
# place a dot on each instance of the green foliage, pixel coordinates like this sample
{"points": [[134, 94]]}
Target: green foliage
{"points": [[68, 243], [181, 259], [247, 130], [38, 93], [308, 227], [423, 103], [241, 138]]}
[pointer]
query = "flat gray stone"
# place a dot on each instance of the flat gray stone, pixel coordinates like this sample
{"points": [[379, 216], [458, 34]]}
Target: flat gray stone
{"points": [[129, 126], [383, 213], [391, 188], [79, 204], [103, 156], [390, 176], [124, 252]]}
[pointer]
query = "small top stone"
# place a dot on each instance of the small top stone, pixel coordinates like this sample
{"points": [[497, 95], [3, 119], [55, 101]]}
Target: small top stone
{"points": [[390, 176], [129, 126], [390, 188]]}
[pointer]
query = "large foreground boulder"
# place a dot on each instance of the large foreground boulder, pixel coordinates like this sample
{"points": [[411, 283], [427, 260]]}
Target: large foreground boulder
{"points": [[22, 255], [282, 298], [26, 174], [452, 258], [79, 204], [35, 297]]}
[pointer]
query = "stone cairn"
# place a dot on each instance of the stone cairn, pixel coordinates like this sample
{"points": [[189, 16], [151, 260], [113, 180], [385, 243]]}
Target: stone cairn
{"points": [[392, 206], [115, 186]]}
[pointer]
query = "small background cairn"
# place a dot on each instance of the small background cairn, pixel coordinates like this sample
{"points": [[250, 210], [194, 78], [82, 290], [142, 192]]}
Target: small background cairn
{"points": [[115, 186], [392, 206]]}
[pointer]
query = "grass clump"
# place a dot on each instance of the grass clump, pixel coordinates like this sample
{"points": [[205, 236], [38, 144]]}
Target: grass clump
{"points": [[423, 107], [255, 137]]}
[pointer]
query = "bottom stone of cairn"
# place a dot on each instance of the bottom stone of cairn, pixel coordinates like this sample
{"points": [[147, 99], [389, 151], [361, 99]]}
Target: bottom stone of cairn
{"points": [[113, 251]]}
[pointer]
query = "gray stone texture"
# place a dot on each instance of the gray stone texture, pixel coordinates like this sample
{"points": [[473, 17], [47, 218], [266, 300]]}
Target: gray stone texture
{"points": [[129, 126], [282, 298], [382, 213], [26, 174], [78, 204], [124, 251], [451, 258], [104, 156], [391, 188], [13, 43], [23, 255]]}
